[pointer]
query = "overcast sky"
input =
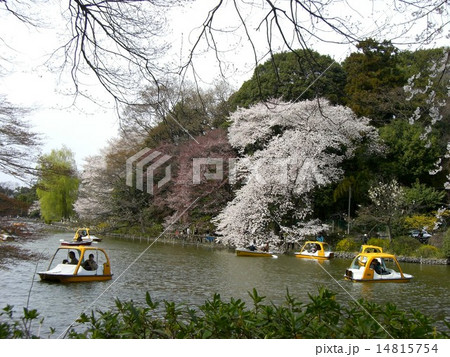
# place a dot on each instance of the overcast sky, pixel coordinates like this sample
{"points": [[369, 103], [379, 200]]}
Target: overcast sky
{"points": [[82, 125], [86, 126]]}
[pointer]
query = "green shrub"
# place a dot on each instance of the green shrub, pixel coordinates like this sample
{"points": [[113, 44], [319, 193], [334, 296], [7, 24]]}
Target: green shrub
{"points": [[19, 328], [446, 244], [154, 231], [321, 317], [347, 245], [428, 251], [405, 245], [380, 242]]}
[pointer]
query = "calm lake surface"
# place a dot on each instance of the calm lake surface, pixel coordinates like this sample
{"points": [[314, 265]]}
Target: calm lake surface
{"points": [[191, 274]]}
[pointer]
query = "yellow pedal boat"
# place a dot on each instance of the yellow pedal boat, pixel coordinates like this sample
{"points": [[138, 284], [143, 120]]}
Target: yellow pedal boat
{"points": [[84, 234], [376, 268], [315, 250], [244, 252], [74, 264]]}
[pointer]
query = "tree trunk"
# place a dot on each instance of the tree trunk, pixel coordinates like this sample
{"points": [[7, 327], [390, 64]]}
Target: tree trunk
{"points": [[349, 204]]}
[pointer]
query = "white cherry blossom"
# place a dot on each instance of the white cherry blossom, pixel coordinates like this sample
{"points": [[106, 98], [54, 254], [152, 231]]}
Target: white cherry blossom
{"points": [[287, 151]]}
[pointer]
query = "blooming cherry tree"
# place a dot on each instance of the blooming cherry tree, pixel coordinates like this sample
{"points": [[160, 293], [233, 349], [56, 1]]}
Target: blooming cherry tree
{"points": [[94, 193], [287, 151]]}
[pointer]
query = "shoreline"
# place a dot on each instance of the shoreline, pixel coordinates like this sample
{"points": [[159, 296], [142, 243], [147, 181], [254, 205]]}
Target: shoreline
{"points": [[201, 240], [198, 241]]}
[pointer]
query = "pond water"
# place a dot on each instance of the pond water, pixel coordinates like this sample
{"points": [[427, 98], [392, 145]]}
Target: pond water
{"points": [[191, 274]]}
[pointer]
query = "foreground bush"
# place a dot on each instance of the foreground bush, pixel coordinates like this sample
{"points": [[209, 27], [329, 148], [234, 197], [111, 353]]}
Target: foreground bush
{"points": [[322, 317], [21, 328]]}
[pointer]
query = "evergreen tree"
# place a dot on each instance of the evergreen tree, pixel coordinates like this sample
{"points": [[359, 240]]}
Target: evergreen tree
{"points": [[374, 81], [293, 76]]}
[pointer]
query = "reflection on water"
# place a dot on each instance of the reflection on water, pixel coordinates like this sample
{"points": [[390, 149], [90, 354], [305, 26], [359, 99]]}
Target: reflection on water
{"points": [[190, 274]]}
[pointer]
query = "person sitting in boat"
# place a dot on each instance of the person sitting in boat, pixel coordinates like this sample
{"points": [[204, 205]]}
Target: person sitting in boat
{"points": [[79, 238], [73, 260], [265, 248], [252, 247], [90, 264], [376, 265], [311, 248]]}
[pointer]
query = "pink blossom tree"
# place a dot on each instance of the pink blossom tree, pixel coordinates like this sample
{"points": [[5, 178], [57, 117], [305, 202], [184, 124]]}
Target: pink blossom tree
{"points": [[200, 176]]}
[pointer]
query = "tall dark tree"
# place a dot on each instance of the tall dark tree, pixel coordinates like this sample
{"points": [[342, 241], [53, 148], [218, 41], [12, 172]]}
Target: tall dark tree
{"points": [[374, 81], [293, 76]]}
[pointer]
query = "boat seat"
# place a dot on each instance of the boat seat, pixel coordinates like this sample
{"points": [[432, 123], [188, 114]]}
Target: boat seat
{"points": [[83, 271], [63, 269]]}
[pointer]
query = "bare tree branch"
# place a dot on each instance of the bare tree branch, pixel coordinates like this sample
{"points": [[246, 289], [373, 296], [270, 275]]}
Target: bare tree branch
{"points": [[123, 43], [18, 144]]}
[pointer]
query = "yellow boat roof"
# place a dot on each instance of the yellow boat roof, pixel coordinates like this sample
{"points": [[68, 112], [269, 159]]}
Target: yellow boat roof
{"points": [[368, 246], [377, 255], [81, 247]]}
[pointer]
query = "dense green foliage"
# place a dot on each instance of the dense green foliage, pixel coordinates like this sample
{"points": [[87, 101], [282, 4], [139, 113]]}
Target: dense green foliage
{"points": [[21, 328], [407, 157], [293, 76], [401, 246], [321, 317], [383, 243], [347, 245], [423, 198], [427, 251], [446, 244], [374, 80]]}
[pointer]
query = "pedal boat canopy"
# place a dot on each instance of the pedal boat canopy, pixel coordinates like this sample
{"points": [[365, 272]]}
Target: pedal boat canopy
{"points": [[61, 270], [315, 250], [376, 268]]}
